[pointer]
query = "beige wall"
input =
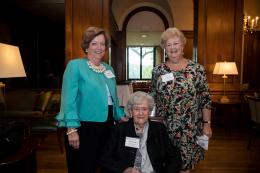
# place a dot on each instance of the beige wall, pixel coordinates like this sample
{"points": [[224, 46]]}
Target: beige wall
{"points": [[178, 12]]}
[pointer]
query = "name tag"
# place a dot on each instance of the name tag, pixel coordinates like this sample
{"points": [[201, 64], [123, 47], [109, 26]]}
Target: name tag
{"points": [[109, 74], [167, 77], [132, 142]]}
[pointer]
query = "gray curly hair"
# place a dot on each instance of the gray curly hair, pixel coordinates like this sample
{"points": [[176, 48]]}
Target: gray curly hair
{"points": [[137, 98]]}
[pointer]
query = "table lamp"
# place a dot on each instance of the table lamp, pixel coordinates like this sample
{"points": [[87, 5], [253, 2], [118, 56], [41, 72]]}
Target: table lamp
{"points": [[225, 68], [11, 64]]}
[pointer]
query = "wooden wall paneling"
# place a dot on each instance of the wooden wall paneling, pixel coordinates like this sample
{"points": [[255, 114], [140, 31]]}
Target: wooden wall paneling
{"points": [[239, 16], [251, 60], [188, 49], [81, 14], [247, 71], [106, 24], [220, 37], [202, 31], [218, 34], [106, 17], [113, 26], [113, 54], [120, 60], [114, 45], [68, 30]]}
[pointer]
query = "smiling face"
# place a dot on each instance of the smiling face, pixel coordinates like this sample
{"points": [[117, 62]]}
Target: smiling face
{"points": [[174, 49], [140, 113], [96, 49]]}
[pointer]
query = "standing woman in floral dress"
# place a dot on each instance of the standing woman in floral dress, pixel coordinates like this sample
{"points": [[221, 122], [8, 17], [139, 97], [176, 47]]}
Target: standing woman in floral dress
{"points": [[179, 87]]}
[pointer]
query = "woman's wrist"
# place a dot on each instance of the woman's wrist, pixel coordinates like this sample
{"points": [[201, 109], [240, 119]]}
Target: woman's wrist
{"points": [[71, 130], [206, 122]]}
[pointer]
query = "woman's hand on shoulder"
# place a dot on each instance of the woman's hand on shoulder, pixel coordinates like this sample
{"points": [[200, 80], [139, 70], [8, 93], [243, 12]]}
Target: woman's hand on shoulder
{"points": [[124, 119]]}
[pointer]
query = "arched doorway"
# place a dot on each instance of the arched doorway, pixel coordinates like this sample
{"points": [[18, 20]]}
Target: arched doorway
{"points": [[149, 11]]}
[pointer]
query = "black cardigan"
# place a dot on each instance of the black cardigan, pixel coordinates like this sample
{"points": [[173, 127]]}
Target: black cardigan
{"points": [[164, 157]]}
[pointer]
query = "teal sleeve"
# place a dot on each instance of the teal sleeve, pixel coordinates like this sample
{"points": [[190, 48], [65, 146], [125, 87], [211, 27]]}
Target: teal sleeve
{"points": [[119, 110], [68, 116], [119, 113]]}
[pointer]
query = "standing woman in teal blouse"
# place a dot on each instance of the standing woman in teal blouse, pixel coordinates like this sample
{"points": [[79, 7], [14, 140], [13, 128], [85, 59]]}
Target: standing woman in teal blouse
{"points": [[89, 103]]}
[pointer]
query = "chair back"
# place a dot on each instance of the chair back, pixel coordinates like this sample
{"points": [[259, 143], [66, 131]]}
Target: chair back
{"points": [[254, 106], [123, 93]]}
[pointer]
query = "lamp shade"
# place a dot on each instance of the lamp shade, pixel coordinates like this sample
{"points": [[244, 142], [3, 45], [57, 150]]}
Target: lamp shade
{"points": [[11, 64], [223, 68]]}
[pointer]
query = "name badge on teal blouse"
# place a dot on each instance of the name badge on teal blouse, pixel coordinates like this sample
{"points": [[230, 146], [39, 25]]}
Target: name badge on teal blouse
{"points": [[109, 74]]}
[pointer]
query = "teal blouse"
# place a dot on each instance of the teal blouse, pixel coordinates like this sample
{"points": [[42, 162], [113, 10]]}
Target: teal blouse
{"points": [[84, 95]]}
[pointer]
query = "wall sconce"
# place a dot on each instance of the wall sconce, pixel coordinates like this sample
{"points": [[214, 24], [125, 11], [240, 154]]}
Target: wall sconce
{"points": [[225, 68], [250, 24], [11, 64]]}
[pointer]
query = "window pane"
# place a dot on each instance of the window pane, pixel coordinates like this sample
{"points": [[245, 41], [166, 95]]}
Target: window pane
{"points": [[134, 62], [147, 62]]}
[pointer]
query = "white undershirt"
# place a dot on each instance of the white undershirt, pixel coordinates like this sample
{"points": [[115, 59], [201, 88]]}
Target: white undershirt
{"points": [[110, 101]]}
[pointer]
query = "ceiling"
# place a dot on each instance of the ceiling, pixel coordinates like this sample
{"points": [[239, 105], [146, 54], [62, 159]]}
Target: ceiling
{"points": [[141, 31], [138, 25]]}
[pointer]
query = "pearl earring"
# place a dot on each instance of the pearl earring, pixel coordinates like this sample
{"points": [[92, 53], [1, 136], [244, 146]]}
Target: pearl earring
{"points": [[86, 50]]}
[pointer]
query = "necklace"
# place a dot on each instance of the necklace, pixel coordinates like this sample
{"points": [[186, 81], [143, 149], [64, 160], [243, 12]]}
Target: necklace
{"points": [[138, 129], [98, 69]]}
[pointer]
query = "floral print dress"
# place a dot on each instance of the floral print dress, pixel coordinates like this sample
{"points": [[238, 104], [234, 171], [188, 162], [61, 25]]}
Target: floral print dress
{"points": [[180, 101]]}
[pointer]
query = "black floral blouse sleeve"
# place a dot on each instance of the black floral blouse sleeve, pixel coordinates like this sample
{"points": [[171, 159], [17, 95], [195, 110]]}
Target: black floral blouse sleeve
{"points": [[203, 89]]}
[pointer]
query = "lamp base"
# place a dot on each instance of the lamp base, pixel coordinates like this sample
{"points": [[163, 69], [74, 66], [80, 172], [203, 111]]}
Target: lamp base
{"points": [[224, 99], [2, 84]]}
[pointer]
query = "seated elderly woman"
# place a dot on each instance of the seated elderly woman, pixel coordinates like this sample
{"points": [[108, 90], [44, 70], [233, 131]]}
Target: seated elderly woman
{"points": [[140, 145]]}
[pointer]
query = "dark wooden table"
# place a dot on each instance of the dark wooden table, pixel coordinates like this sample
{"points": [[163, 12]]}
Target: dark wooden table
{"points": [[21, 161], [227, 114]]}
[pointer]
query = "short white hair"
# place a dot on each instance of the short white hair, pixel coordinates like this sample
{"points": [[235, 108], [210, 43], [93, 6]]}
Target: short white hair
{"points": [[137, 98]]}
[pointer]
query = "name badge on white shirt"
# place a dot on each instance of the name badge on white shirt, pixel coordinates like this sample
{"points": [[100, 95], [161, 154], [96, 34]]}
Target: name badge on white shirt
{"points": [[109, 74], [132, 142], [167, 77]]}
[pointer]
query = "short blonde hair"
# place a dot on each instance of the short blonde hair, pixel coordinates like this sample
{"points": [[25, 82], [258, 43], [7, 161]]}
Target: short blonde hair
{"points": [[137, 98], [171, 33]]}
